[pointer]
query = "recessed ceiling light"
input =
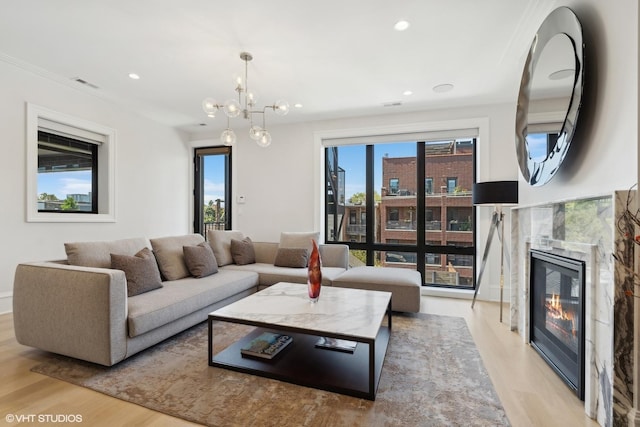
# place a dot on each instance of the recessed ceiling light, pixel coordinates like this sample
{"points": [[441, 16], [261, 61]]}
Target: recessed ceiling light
{"points": [[445, 87], [401, 25], [562, 74], [298, 105], [134, 76], [407, 93]]}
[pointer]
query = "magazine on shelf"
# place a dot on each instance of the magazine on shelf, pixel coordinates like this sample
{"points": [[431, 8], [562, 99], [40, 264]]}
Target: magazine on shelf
{"points": [[336, 344], [266, 345]]}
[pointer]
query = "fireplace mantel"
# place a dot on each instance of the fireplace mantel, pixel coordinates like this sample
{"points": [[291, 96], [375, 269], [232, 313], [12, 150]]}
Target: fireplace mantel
{"points": [[585, 229]]}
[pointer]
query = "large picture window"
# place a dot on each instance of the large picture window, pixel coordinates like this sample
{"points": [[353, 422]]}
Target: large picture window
{"points": [[418, 204]]}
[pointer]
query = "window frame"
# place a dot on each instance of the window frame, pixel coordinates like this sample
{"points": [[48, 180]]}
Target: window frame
{"points": [[106, 166]]}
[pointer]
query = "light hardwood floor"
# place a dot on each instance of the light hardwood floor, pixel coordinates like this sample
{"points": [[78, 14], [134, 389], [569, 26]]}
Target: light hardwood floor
{"points": [[530, 391]]}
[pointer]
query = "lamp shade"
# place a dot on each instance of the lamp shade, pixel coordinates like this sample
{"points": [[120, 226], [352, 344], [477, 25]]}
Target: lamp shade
{"points": [[495, 192]]}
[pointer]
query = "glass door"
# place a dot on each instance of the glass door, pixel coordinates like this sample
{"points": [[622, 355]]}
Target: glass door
{"points": [[212, 189]]}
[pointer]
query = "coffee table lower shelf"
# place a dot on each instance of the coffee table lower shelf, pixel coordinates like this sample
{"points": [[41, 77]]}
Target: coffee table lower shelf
{"points": [[355, 374]]}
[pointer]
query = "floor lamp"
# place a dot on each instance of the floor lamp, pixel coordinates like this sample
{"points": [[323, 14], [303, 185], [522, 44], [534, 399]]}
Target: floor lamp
{"points": [[496, 193]]}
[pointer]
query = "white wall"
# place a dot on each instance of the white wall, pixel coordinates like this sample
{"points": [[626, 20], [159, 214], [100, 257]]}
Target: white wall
{"points": [[152, 180]]}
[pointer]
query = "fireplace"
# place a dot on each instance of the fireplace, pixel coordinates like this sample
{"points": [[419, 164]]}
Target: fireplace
{"points": [[557, 325]]}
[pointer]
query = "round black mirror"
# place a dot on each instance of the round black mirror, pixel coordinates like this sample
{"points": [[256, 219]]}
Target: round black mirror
{"points": [[550, 96]]}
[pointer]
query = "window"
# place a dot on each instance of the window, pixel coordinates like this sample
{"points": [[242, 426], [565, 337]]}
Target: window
{"points": [[452, 183], [70, 168], [406, 225], [428, 185], [66, 160], [352, 217], [212, 188], [394, 185]]}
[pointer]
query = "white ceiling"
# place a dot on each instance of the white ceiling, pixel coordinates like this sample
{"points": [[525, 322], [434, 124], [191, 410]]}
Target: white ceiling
{"points": [[337, 58]]}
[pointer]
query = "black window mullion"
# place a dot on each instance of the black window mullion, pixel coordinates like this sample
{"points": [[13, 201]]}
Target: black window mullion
{"points": [[420, 208], [370, 203]]}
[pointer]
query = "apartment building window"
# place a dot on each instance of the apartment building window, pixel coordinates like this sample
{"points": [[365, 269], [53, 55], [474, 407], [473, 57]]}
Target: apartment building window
{"points": [[428, 185], [452, 183], [406, 226], [70, 168], [212, 189], [394, 185], [352, 217]]}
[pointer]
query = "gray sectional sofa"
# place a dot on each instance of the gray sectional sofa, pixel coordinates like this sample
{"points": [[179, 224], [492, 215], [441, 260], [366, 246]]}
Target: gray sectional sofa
{"points": [[83, 308]]}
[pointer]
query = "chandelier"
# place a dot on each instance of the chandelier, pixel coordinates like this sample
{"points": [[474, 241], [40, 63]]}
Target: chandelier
{"points": [[245, 105]]}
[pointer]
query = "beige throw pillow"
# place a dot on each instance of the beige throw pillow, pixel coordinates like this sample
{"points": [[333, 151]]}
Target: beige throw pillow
{"points": [[242, 251], [292, 257], [298, 239], [220, 241], [200, 260], [141, 271], [170, 256]]}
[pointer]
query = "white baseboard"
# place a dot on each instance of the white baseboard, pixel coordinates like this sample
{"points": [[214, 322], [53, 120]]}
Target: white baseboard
{"points": [[6, 302]]}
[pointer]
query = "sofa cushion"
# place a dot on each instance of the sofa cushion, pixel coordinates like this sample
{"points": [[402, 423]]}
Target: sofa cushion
{"points": [[200, 260], [141, 271], [404, 284], [292, 257], [220, 241], [170, 255], [242, 251], [293, 239], [270, 274], [183, 297], [98, 254]]}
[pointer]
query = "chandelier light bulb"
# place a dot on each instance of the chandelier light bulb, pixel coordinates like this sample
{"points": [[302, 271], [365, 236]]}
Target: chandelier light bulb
{"points": [[210, 106], [232, 108], [265, 139], [228, 137], [238, 81], [281, 108], [255, 132], [252, 99]]}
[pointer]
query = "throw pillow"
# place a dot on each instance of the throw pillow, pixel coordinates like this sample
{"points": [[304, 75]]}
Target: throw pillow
{"points": [[168, 251], [220, 241], [298, 240], [291, 257], [200, 260], [242, 251], [141, 271]]}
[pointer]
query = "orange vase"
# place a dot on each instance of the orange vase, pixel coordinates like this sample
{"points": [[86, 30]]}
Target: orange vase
{"points": [[314, 278]]}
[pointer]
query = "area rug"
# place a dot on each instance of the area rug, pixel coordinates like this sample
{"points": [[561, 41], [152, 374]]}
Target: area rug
{"points": [[432, 376]]}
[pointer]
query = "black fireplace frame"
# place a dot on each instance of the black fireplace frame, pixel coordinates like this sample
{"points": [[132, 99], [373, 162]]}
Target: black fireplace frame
{"points": [[541, 341]]}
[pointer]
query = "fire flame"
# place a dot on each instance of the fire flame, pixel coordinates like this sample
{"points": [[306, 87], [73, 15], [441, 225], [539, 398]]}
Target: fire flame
{"points": [[554, 310]]}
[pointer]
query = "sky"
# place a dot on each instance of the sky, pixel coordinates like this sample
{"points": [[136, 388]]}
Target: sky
{"points": [[213, 178], [352, 159], [63, 183]]}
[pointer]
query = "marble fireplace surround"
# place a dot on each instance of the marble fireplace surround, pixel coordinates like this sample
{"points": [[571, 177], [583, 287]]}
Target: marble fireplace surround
{"points": [[585, 229]]}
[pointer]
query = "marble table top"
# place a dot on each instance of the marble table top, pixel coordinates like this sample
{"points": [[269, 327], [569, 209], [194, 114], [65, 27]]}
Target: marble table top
{"points": [[354, 312]]}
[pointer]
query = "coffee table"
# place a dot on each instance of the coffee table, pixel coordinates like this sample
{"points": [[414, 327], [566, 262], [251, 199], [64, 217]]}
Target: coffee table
{"points": [[342, 313]]}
